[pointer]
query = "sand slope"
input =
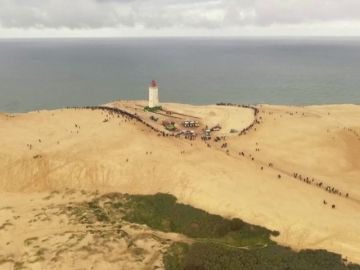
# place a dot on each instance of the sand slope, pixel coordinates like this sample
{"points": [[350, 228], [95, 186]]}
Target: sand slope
{"points": [[54, 150]]}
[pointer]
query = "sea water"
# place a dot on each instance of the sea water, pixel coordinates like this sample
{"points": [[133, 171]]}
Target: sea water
{"points": [[53, 73]]}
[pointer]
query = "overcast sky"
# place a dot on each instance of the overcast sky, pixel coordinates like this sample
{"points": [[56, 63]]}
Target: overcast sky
{"points": [[116, 18]]}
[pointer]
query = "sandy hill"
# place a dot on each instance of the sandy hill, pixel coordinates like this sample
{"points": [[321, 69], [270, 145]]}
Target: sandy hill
{"points": [[255, 177]]}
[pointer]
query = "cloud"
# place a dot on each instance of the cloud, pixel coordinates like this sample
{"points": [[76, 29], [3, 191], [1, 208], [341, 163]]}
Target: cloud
{"points": [[159, 14]]}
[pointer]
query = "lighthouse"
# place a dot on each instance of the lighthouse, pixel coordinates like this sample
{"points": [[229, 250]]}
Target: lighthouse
{"points": [[153, 95]]}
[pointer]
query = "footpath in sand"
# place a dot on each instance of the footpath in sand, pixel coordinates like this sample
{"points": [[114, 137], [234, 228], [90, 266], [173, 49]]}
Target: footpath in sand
{"points": [[269, 176]]}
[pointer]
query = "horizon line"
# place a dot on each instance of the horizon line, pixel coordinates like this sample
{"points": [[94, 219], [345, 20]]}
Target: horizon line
{"points": [[195, 37]]}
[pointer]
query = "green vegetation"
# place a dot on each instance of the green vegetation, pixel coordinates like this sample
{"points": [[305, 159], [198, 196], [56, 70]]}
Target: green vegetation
{"points": [[170, 127], [222, 243], [176, 256], [89, 213], [153, 109], [202, 256], [218, 243], [162, 212], [99, 212]]}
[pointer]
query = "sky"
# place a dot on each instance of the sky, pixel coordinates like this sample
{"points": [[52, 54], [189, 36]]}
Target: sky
{"points": [[149, 18]]}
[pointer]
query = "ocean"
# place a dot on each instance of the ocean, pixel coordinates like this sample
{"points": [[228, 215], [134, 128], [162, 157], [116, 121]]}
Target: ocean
{"points": [[54, 73]]}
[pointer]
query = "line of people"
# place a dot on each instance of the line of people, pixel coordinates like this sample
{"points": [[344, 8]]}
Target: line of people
{"points": [[320, 184]]}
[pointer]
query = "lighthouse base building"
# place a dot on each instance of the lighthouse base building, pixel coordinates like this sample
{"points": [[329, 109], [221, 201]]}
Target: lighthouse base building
{"points": [[153, 95]]}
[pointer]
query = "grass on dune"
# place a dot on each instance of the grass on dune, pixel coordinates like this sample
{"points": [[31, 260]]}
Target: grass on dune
{"points": [[162, 212]]}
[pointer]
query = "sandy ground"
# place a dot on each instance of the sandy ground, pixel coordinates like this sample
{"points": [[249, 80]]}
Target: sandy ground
{"points": [[38, 232], [54, 150]]}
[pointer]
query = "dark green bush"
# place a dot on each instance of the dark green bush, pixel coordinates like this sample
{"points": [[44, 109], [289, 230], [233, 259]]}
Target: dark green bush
{"points": [[216, 257], [162, 212], [154, 109]]}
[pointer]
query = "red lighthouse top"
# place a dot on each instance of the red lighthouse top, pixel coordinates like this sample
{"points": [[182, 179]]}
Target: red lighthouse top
{"points": [[153, 83]]}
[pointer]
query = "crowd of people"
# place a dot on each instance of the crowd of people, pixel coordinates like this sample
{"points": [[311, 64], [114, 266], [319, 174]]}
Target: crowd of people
{"points": [[320, 184]]}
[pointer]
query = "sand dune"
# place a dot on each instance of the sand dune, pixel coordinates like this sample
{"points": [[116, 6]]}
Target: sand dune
{"points": [[91, 150]]}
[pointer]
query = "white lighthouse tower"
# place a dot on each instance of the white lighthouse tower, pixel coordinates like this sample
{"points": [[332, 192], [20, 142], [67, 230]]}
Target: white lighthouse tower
{"points": [[153, 95]]}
